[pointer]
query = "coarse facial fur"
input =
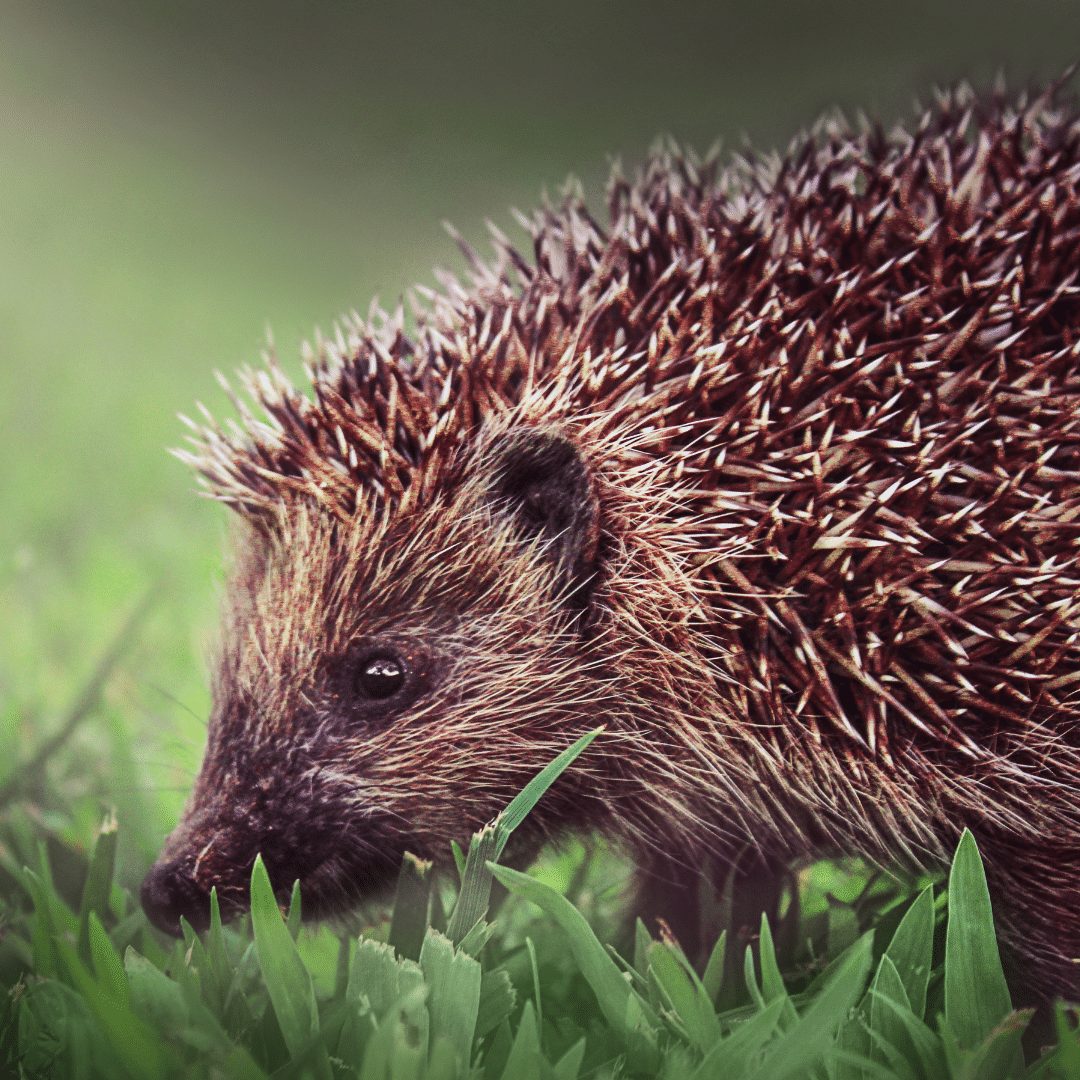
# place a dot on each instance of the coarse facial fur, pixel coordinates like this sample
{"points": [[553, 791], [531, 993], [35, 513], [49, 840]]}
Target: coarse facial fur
{"points": [[324, 783], [776, 475]]}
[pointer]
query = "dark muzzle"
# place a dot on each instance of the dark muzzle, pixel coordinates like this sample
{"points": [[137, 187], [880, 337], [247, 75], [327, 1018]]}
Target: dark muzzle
{"points": [[169, 892]]}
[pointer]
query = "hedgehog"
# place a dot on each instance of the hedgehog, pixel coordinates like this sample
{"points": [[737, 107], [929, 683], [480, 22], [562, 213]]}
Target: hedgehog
{"points": [[773, 469]]}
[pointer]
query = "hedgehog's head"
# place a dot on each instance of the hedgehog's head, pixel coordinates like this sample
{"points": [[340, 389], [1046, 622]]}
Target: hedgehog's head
{"points": [[389, 680]]}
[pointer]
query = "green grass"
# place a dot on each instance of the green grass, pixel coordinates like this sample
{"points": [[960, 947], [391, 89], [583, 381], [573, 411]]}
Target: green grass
{"points": [[175, 176], [450, 984]]}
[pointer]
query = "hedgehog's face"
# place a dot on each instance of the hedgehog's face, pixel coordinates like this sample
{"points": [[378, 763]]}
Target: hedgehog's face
{"points": [[390, 689]]}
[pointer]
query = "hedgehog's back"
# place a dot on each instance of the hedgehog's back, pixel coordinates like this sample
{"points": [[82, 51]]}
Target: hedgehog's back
{"points": [[882, 343]]}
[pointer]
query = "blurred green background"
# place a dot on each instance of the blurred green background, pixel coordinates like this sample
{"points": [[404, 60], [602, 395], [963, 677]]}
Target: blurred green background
{"points": [[175, 177]]}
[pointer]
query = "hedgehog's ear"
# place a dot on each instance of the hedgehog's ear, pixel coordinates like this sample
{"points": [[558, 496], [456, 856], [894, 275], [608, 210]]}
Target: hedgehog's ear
{"points": [[540, 478]]}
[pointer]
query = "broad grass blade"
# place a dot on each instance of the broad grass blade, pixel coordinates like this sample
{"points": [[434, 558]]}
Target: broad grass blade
{"points": [[642, 940], [453, 982], [713, 979], [380, 977], [625, 1010], [99, 878], [409, 921], [162, 1004], [568, 1067], [685, 994], [772, 982], [896, 1023], [105, 961], [732, 1055], [976, 995], [524, 1062], [800, 1048], [886, 1028], [911, 950], [497, 1000], [999, 1054], [288, 981], [399, 1046]]}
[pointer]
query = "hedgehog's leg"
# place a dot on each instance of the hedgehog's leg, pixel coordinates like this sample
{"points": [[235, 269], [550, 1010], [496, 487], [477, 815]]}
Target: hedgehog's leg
{"points": [[1035, 893], [668, 898], [751, 888], [671, 893], [755, 891]]}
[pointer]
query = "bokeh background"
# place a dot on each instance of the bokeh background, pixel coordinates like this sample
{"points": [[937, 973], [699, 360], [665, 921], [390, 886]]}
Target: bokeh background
{"points": [[177, 176]]}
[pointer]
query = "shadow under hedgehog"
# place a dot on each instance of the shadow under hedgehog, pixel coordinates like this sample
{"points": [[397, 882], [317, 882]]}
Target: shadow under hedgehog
{"points": [[776, 473]]}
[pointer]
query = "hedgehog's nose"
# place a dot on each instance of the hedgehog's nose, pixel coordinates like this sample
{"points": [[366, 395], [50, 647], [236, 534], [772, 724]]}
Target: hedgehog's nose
{"points": [[167, 893]]}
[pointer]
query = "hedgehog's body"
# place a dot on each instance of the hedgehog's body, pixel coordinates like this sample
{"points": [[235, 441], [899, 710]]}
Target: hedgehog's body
{"points": [[777, 475]]}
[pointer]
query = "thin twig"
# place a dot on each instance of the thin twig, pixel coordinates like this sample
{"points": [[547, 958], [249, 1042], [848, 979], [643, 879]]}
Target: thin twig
{"points": [[83, 704]]}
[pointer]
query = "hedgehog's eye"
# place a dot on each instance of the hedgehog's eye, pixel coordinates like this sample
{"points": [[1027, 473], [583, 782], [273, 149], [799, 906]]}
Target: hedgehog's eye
{"points": [[380, 676]]}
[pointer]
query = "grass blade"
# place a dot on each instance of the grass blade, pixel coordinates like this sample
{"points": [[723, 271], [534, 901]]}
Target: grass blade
{"points": [[85, 703], [685, 995], [911, 949], [105, 961], [524, 1060], [288, 981], [800, 1047], [98, 886], [885, 1027], [382, 978], [453, 982], [490, 842], [895, 1023], [732, 1055], [497, 1000], [475, 895], [568, 1067], [976, 995], [534, 790], [409, 921], [713, 979], [627, 1012]]}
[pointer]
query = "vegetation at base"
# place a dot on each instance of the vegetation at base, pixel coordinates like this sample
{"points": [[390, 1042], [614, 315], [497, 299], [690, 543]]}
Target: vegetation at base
{"points": [[174, 177], [454, 984]]}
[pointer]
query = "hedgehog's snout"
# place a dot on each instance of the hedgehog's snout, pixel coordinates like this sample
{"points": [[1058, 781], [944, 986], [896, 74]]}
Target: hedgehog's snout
{"points": [[216, 845], [176, 888], [169, 892]]}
